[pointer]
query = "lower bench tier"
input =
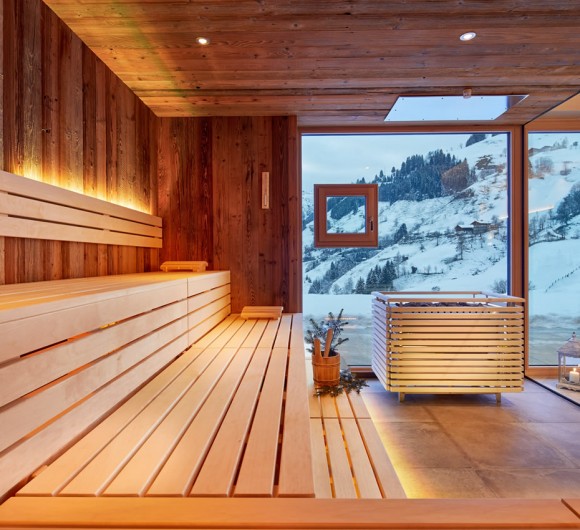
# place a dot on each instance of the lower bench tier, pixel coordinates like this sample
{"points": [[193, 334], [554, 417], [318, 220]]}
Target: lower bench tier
{"points": [[72, 350], [229, 418]]}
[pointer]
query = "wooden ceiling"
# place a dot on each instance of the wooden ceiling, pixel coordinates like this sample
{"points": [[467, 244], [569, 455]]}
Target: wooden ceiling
{"points": [[331, 62]]}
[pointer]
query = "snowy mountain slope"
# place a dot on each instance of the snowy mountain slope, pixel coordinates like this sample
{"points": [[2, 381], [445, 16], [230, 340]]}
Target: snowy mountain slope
{"points": [[430, 247], [437, 255]]}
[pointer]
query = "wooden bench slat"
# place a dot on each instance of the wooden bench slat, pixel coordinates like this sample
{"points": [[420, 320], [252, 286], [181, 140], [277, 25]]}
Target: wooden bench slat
{"points": [[16, 227], [358, 405], [339, 463], [254, 337], [33, 209], [19, 301], [296, 461], [200, 316], [328, 406], [313, 400], [56, 326], [43, 211], [64, 468], [257, 472], [27, 456], [199, 329], [384, 471], [143, 466], [322, 489], [286, 513], [96, 476], [361, 467], [258, 513], [224, 330], [32, 372], [25, 415], [269, 336], [202, 281], [283, 335], [241, 335], [297, 333], [56, 295], [27, 187], [197, 301], [217, 475], [343, 406], [181, 468]]}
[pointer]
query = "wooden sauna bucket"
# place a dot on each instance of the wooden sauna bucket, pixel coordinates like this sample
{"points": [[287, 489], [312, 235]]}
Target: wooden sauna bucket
{"points": [[326, 370]]}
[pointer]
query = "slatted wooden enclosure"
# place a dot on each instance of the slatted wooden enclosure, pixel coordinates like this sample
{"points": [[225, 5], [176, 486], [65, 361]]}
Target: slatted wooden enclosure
{"points": [[448, 342], [33, 209]]}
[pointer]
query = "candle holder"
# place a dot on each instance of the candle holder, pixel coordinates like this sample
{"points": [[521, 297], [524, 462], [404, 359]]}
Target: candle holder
{"points": [[569, 365]]}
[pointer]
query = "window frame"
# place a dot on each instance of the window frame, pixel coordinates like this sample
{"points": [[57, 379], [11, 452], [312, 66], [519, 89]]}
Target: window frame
{"points": [[368, 238]]}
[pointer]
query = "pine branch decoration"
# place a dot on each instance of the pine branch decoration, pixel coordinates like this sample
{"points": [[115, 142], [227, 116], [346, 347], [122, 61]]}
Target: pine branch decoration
{"points": [[319, 329], [348, 383]]}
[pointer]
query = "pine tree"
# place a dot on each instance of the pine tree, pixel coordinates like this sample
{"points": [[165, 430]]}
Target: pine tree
{"points": [[316, 287], [360, 286]]}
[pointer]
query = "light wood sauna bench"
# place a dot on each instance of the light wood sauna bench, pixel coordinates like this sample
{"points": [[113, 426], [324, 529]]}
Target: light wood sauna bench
{"points": [[228, 434]]}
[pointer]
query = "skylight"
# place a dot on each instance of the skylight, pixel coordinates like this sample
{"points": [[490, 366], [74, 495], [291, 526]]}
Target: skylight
{"points": [[450, 108]]}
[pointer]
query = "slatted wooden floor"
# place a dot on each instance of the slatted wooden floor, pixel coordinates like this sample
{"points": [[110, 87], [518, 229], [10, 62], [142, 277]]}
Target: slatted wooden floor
{"points": [[227, 418]]}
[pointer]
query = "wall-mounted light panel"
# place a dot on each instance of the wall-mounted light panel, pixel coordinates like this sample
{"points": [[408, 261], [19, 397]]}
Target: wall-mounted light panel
{"points": [[265, 190]]}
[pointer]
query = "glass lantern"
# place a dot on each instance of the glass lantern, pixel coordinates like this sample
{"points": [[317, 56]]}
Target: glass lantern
{"points": [[569, 364]]}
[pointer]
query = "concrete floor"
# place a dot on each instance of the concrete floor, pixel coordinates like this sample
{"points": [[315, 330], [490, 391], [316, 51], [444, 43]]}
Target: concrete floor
{"points": [[462, 446]]}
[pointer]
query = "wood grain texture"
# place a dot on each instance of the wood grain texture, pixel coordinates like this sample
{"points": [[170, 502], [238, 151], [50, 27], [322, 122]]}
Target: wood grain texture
{"points": [[94, 341], [331, 63], [72, 123], [446, 353], [209, 197], [444, 514]]}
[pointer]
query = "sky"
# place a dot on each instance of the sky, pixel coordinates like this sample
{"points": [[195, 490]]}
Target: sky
{"points": [[339, 159]]}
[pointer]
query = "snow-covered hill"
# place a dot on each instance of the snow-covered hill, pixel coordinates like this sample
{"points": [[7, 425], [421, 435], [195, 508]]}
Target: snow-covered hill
{"points": [[460, 241]]}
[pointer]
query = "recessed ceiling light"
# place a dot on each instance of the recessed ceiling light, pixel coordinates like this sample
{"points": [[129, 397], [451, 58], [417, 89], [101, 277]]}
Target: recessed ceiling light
{"points": [[204, 41], [470, 35]]}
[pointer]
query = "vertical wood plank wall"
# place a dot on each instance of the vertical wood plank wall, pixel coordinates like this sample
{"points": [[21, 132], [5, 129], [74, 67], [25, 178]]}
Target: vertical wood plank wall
{"points": [[67, 120], [210, 172]]}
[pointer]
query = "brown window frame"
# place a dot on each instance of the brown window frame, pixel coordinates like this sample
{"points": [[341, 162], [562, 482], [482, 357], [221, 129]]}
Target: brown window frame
{"points": [[370, 237]]}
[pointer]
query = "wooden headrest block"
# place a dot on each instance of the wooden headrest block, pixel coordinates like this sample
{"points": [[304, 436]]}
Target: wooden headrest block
{"points": [[193, 266], [257, 311]]}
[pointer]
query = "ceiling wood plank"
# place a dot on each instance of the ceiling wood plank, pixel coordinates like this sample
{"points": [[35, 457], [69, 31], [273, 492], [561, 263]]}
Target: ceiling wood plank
{"points": [[335, 61]]}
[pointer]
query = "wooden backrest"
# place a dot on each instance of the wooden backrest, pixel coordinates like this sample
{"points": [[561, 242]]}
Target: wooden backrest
{"points": [[72, 350], [37, 210]]}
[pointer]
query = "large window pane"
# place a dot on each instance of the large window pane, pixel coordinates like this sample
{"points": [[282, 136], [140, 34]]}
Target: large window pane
{"points": [[442, 221], [554, 239]]}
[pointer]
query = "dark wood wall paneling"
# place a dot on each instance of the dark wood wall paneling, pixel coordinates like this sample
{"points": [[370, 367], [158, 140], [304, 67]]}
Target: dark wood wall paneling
{"points": [[210, 172], [67, 120]]}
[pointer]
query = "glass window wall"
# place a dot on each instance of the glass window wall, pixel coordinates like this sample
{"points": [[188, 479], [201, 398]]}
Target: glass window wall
{"points": [[442, 221]]}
